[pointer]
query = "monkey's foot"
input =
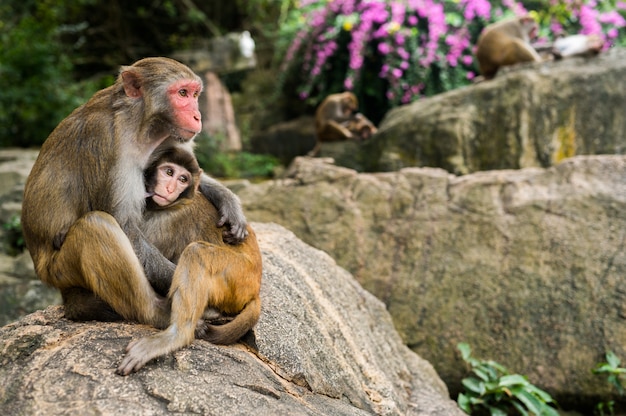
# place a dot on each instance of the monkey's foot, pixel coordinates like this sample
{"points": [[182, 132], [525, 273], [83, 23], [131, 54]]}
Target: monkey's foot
{"points": [[140, 351]]}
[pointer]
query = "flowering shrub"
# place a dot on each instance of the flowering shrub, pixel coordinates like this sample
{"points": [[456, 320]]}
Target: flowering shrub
{"points": [[392, 51]]}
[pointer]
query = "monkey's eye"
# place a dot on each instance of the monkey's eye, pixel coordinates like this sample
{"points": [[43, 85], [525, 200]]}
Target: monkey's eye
{"points": [[183, 92], [196, 94], [169, 172], [183, 179]]}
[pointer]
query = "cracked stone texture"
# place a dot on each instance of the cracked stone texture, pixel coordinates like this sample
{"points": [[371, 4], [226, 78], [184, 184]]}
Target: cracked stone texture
{"points": [[527, 266], [323, 346]]}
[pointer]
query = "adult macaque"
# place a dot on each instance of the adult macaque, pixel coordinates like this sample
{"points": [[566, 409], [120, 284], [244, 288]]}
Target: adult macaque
{"points": [[329, 116], [84, 199], [577, 45], [210, 274], [506, 43], [336, 119]]}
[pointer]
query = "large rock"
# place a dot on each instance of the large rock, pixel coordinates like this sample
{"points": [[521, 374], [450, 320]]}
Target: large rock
{"points": [[323, 346], [526, 266], [528, 116], [20, 290]]}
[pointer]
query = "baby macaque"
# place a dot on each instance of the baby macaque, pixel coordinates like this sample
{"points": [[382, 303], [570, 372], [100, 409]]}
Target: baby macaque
{"points": [[213, 279]]}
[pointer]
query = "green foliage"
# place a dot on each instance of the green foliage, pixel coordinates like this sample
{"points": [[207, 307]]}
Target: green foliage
{"points": [[232, 164], [615, 377], [615, 373], [14, 240], [35, 74], [495, 391], [391, 52]]}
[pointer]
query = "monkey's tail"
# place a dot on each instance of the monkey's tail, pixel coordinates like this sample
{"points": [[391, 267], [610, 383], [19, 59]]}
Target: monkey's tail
{"points": [[232, 331]]}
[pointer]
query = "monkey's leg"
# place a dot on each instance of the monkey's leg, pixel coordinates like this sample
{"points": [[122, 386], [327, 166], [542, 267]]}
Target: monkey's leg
{"points": [[194, 279], [97, 256], [334, 131], [82, 305], [519, 51]]}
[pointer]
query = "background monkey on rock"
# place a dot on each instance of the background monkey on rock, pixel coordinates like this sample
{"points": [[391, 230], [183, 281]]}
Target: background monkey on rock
{"points": [[506, 43], [210, 274], [84, 198], [336, 119]]}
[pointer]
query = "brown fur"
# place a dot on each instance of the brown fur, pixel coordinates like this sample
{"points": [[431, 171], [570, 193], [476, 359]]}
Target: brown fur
{"points": [[84, 198], [210, 274], [329, 116], [506, 43]]}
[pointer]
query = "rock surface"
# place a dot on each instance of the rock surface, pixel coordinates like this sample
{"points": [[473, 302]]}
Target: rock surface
{"points": [[20, 290], [527, 266], [323, 346], [528, 116]]}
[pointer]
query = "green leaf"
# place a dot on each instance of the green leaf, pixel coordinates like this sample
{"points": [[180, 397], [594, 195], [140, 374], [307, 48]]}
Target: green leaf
{"points": [[513, 380], [603, 368], [612, 359], [466, 350], [482, 374], [544, 396], [549, 411], [474, 385], [495, 411], [464, 403], [520, 408], [531, 402]]}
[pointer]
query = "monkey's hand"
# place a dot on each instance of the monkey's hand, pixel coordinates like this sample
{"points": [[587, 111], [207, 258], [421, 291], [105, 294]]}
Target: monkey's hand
{"points": [[229, 208], [235, 231]]}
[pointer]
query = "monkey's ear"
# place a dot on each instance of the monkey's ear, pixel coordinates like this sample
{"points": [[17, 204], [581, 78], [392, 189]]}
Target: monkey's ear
{"points": [[132, 83], [197, 184]]}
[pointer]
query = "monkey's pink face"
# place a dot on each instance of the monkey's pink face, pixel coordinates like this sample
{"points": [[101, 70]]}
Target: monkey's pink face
{"points": [[183, 96], [171, 181]]}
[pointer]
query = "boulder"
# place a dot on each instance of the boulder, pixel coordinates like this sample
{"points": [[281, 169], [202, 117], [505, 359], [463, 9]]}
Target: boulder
{"points": [[323, 346], [286, 140], [527, 266], [20, 290], [528, 116]]}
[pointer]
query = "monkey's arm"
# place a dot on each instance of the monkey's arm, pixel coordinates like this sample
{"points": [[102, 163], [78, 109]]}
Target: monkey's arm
{"points": [[157, 268], [229, 207]]}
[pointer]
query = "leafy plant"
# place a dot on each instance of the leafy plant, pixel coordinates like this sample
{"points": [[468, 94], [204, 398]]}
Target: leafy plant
{"points": [[616, 375], [232, 164], [14, 240], [390, 52], [494, 390]]}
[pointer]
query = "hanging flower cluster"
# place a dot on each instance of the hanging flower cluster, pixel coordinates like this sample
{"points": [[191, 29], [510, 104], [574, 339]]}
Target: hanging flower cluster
{"points": [[409, 43]]}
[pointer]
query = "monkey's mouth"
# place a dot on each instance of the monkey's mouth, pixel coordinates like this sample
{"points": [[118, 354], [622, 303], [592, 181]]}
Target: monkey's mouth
{"points": [[187, 135], [161, 200]]}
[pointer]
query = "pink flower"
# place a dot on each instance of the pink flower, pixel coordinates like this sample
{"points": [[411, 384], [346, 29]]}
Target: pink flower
{"points": [[467, 60], [384, 48], [588, 22], [473, 8], [612, 18]]}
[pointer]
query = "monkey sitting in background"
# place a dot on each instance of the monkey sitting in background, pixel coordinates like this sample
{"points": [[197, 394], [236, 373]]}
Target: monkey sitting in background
{"points": [[506, 43], [212, 278], [336, 119], [360, 127]]}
